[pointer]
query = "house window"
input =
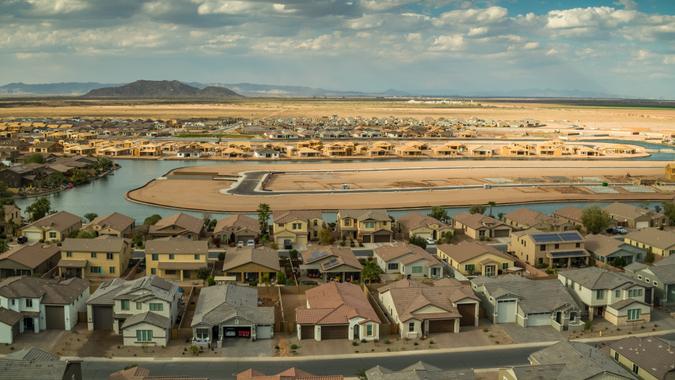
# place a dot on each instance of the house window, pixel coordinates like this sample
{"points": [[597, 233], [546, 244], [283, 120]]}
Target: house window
{"points": [[417, 269], [124, 304], [617, 293], [316, 222], [109, 256], [470, 268], [616, 356], [542, 247], [633, 314], [156, 306], [139, 305], [635, 293], [578, 245], [369, 330], [202, 334], [197, 257], [636, 369], [93, 255], [505, 265], [557, 246], [656, 283], [392, 266], [347, 222], [370, 224], [411, 327], [52, 235], [153, 270], [155, 257], [69, 254], [13, 301], [144, 335], [296, 226], [111, 270], [171, 256], [29, 302], [599, 294], [94, 269]]}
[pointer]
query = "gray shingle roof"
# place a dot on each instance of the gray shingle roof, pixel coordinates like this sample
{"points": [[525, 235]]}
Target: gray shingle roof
{"points": [[32, 364], [595, 278], [142, 287], [147, 317], [419, 371], [52, 292], [533, 296], [581, 361], [220, 303]]}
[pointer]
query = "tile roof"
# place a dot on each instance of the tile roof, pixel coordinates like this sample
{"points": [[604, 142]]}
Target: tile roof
{"points": [[603, 245], [9, 316], [570, 213], [654, 237], [52, 292], [336, 256], [529, 217], [581, 361], [59, 221], [405, 252], [627, 211], [220, 303], [288, 374], [237, 222], [651, 354], [375, 214], [30, 256], [99, 244], [419, 371], [147, 317], [335, 303], [467, 250], [263, 256], [596, 278], [289, 216], [415, 220], [534, 296], [140, 288], [475, 221], [32, 364], [115, 221], [181, 221], [176, 246]]}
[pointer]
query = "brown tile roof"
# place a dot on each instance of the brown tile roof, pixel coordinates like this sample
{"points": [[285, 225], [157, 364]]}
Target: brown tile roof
{"points": [[115, 221], [177, 246], [139, 373], [570, 213], [528, 217], [30, 256], [181, 220], [342, 255], [52, 292], [289, 374], [406, 253], [99, 244], [380, 215], [628, 211], [335, 303], [654, 237], [263, 256], [59, 221], [289, 216], [237, 222], [416, 220], [467, 250], [476, 221]]}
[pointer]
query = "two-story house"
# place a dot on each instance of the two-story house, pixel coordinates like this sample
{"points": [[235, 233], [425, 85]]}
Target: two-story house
{"points": [[524, 218], [36, 304], [366, 226], [627, 215], [53, 227], [660, 275], [178, 225], [423, 226], [237, 228], [141, 310], [614, 296], [549, 249], [103, 257], [176, 259], [480, 227], [473, 258], [115, 224], [295, 229], [653, 240], [408, 260]]}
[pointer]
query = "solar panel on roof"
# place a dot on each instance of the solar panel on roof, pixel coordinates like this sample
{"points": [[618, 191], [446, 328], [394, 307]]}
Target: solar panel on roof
{"points": [[332, 263], [570, 236], [545, 238], [317, 255]]}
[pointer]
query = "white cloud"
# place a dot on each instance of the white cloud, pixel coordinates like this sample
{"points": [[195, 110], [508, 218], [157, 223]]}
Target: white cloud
{"points": [[669, 59], [365, 22], [223, 7], [478, 31], [531, 45], [413, 37], [588, 18], [383, 5], [52, 7], [453, 42], [476, 16]]}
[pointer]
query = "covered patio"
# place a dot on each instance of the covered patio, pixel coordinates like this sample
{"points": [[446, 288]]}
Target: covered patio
{"points": [[178, 271], [568, 259], [72, 268]]}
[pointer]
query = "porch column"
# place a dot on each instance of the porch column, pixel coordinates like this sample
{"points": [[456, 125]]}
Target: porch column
{"points": [[180, 275], [476, 315], [456, 329], [36, 324], [569, 262]]}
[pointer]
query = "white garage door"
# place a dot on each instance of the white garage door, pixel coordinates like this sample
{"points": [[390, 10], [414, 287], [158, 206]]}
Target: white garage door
{"points": [[641, 225], [33, 236], [506, 311], [539, 319], [264, 332]]}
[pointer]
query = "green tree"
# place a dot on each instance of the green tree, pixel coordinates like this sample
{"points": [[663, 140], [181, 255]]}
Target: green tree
{"points": [[418, 241], [90, 216], [371, 272], [477, 209], [203, 274], [447, 237], [326, 236], [281, 278], [595, 219], [3, 245], [35, 158], [264, 213], [669, 212], [439, 213], [85, 234], [152, 219], [103, 164], [4, 191], [491, 204], [39, 209]]}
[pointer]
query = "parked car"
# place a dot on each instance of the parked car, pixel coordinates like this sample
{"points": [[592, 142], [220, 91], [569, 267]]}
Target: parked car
{"points": [[22, 240], [250, 243], [430, 241], [240, 244]]}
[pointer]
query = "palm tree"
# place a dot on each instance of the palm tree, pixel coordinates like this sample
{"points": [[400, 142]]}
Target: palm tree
{"points": [[491, 204]]}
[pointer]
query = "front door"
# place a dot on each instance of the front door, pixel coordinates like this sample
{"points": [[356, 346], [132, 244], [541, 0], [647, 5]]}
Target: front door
{"points": [[28, 324], [356, 332], [489, 270]]}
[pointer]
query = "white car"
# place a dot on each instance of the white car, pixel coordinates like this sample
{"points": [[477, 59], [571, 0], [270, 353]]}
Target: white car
{"points": [[430, 241], [250, 243], [240, 244]]}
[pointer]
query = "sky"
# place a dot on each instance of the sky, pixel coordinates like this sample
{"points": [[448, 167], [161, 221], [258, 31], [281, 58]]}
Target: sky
{"points": [[616, 47]]}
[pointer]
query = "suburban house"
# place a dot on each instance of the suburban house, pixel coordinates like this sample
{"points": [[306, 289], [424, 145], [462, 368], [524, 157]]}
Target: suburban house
{"points": [[141, 310], [422, 309], [237, 228], [296, 228], [423, 226], [647, 357], [102, 257], [408, 260], [570, 215], [230, 311], [330, 263], [36, 304], [515, 299], [524, 218], [115, 224], [337, 310], [176, 259], [549, 249], [627, 215], [568, 360], [660, 243], [418, 371], [473, 258], [178, 225], [53, 227], [660, 275], [34, 363], [612, 251], [366, 226], [288, 374], [480, 227], [254, 265], [29, 260], [614, 296]]}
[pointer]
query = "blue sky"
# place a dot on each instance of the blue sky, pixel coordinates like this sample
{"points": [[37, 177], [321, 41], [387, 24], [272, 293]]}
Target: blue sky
{"points": [[617, 47]]}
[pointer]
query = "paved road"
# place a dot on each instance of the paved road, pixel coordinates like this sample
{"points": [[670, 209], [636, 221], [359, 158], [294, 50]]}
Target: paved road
{"points": [[350, 366]]}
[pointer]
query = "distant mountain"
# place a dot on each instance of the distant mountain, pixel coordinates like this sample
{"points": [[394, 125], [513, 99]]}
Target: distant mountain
{"points": [[50, 89], [163, 89]]}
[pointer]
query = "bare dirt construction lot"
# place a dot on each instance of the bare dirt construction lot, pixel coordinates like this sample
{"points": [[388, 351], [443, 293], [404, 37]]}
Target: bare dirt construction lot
{"points": [[614, 117], [393, 178]]}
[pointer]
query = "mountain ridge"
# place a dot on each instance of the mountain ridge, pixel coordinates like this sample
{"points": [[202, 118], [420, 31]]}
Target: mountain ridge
{"points": [[163, 89]]}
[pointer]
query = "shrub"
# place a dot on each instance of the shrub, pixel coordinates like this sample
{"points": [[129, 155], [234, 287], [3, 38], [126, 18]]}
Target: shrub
{"points": [[294, 346], [194, 349]]}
